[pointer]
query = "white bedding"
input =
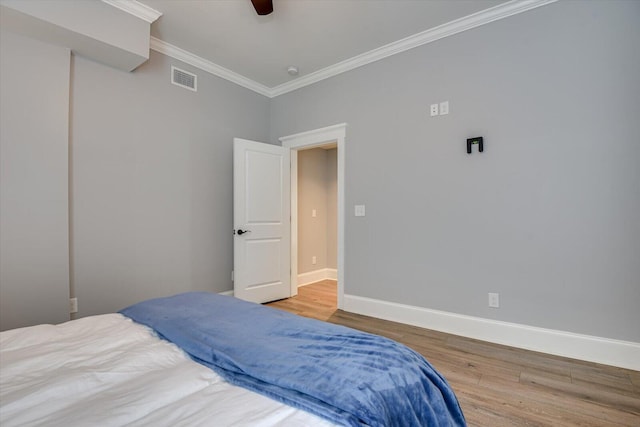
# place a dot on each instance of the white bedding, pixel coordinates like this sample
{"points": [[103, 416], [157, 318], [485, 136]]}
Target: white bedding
{"points": [[110, 371]]}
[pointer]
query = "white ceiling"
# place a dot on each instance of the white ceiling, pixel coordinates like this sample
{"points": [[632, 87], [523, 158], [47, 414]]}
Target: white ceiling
{"points": [[310, 34]]}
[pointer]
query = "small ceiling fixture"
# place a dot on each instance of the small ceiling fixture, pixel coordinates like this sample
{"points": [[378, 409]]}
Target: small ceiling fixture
{"points": [[292, 70]]}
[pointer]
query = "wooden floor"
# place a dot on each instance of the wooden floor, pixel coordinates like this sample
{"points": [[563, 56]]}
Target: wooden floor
{"points": [[498, 385]]}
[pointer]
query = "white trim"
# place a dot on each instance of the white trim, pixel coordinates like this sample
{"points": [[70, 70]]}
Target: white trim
{"points": [[208, 66], [318, 137], [293, 158], [310, 277], [623, 354], [474, 20], [465, 23], [314, 137], [136, 9], [227, 293]]}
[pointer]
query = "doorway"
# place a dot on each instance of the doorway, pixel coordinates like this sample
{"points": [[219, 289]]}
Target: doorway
{"points": [[318, 222], [329, 136]]}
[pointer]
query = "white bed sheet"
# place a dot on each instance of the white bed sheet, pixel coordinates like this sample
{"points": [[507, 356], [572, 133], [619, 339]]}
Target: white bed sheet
{"points": [[110, 371]]}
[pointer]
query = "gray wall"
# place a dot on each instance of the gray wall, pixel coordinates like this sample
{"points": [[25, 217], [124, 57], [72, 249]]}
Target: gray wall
{"points": [[152, 181], [548, 215], [34, 222], [317, 236]]}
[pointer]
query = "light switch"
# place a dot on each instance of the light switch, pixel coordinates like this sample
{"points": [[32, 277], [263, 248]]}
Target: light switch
{"points": [[444, 108], [359, 210], [313, 213]]}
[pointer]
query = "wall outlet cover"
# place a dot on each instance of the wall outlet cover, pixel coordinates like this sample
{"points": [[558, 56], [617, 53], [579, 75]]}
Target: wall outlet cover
{"points": [[494, 300]]}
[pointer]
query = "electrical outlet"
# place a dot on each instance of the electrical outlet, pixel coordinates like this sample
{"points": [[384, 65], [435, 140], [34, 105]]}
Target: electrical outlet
{"points": [[494, 300], [313, 260], [73, 305], [434, 110]]}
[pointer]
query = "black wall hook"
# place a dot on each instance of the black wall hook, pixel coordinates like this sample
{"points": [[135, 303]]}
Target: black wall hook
{"points": [[476, 140]]}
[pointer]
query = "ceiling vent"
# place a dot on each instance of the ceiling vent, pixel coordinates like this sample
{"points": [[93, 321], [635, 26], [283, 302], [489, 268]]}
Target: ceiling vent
{"points": [[184, 79]]}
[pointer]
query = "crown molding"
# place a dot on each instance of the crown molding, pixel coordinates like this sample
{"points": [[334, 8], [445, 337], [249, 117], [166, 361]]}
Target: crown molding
{"points": [[208, 66], [468, 22], [136, 9]]}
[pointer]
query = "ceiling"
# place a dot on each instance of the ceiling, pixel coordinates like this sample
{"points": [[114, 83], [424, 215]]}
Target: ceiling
{"points": [[313, 35]]}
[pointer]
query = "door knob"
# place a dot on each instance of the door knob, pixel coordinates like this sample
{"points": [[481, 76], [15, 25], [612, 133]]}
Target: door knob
{"points": [[241, 231]]}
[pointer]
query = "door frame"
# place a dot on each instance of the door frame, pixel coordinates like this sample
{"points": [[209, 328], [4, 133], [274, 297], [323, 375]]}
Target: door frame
{"points": [[310, 139]]}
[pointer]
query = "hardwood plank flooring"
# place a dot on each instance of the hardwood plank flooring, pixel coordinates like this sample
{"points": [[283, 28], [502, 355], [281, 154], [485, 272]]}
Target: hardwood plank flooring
{"points": [[498, 385]]}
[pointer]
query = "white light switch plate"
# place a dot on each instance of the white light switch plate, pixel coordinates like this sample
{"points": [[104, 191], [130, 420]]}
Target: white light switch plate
{"points": [[444, 108], [359, 210]]}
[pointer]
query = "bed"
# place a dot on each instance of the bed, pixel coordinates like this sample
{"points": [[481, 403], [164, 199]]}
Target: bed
{"points": [[205, 359]]}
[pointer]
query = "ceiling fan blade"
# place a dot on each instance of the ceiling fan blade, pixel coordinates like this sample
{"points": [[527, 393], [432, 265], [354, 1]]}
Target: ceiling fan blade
{"points": [[263, 7]]}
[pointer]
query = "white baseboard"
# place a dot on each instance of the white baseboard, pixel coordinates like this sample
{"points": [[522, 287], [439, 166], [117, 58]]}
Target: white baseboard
{"points": [[228, 293], [317, 275], [623, 354]]}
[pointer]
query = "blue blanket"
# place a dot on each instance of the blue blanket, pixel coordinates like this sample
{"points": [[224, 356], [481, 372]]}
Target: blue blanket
{"points": [[346, 376]]}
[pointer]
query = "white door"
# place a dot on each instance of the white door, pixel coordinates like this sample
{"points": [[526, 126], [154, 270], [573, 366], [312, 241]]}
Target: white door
{"points": [[261, 216]]}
